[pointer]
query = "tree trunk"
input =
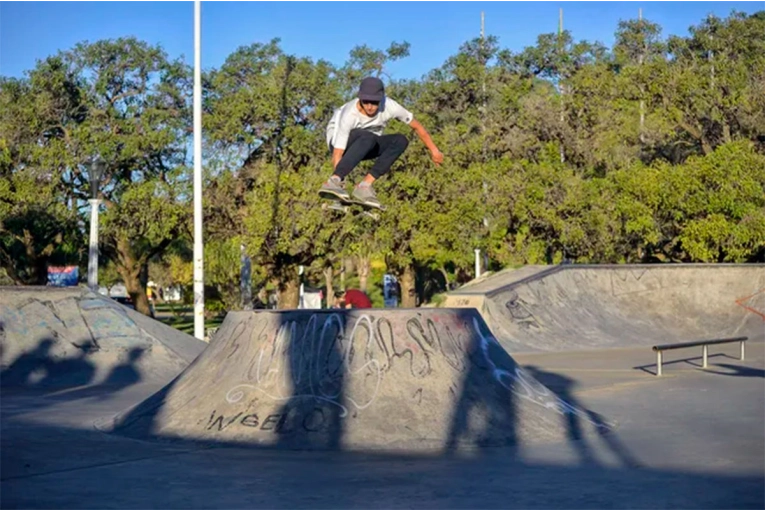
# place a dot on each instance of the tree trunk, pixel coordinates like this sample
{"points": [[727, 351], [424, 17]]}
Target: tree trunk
{"points": [[328, 276], [135, 284], [10, 269], [135, 275], [363, 270], [343, 269], [289, 293], [726, 133], [37, 263], [706, 146], [408, 291], [40, 274], [446, 277], [697, 132]]}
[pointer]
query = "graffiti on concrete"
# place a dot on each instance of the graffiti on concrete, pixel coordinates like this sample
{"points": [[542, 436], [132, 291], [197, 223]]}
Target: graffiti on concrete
{"points": [[313, 420], [313, 365], [524, 386], [46, 318], [633, 281], [519, 311], [315, 362], [748, 303]]}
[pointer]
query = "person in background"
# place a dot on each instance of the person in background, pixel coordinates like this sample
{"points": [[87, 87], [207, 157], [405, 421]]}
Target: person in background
{"points": [[352, 298]]}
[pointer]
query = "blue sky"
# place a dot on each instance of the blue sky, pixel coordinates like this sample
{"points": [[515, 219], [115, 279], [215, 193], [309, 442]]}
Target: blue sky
{"points": [[328, 30]]}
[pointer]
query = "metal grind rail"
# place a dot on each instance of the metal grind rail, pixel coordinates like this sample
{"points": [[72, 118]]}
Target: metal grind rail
{"points": [[659, 349]]}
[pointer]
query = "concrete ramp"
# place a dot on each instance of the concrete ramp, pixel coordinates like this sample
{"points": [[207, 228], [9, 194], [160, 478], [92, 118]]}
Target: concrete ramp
{"points": [[69, 337], [573, 307], [356, 380]]}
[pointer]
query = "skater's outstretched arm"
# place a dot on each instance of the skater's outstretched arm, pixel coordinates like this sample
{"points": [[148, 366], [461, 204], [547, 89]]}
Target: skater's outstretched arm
{"points": [[435, 154]]}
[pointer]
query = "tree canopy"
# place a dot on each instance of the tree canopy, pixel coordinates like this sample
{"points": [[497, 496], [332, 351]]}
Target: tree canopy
{"points": [[651, 150]]}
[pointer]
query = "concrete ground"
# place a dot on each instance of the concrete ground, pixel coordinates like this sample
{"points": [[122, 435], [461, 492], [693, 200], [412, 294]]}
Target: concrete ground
{"points": [[691, 439]]}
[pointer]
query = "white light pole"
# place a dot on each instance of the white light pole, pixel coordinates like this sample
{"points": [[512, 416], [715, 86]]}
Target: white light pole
{"points": [[199, 295], [301, 299], [95, 170], [477, 262]]}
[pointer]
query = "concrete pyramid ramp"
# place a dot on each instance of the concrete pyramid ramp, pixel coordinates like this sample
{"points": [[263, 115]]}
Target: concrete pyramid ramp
{"points": [[73, 337], [356, 379]]}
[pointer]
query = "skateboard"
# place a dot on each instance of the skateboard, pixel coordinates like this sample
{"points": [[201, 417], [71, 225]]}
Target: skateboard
{"points": [[337, 203]]}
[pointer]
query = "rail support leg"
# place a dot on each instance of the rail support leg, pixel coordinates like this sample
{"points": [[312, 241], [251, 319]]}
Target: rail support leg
{"points": [[741, 357], [658, 363], [704, 356]]}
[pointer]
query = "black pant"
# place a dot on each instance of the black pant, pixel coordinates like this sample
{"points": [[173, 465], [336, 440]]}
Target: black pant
{"points": [[363, 145]]}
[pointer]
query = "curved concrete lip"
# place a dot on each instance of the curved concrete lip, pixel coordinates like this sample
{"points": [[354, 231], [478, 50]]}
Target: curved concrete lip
{"points": [[588, 307]]}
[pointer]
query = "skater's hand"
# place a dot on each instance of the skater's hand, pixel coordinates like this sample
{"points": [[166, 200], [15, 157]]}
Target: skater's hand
{"points": [[437, 156]]}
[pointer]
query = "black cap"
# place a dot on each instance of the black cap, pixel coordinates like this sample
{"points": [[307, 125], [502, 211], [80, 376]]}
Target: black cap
{"points": [[371, 89]]}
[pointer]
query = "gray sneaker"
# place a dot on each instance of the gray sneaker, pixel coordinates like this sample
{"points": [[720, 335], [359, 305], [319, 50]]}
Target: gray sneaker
{"points": [[367, 195], [333, 188]]}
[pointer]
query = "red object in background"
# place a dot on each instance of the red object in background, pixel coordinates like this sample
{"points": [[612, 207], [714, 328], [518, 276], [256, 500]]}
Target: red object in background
{"points": [[357, 299]]}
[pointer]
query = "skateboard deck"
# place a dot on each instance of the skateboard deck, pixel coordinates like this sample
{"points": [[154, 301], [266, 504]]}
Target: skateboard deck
{"points": [[336, 205], [342, 204]]}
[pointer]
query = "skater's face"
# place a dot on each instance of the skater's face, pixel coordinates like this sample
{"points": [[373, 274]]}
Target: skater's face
{"points": [[370, 107]]}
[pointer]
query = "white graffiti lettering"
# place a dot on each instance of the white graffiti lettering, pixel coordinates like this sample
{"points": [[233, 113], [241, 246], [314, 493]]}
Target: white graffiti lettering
{"points": [[523, 385]]}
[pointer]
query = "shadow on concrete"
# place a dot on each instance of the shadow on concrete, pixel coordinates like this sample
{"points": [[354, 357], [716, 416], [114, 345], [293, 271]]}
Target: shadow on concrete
{"points": [[737, 371], [40, 368], [315, 414], [141, 418], [125, 374], [138, 474], [120, 377], [563, 386], [497, 407], [56, 379], [230, 474]]}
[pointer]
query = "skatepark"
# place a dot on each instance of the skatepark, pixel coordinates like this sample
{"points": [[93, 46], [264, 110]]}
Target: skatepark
{"points": [[530, 388]]}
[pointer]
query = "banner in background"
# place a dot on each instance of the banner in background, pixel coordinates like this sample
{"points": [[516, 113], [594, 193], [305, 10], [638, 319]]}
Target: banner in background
{"points": [[65, 276]]}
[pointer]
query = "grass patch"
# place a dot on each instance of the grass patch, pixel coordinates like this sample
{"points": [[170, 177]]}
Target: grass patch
{"points": [[186, 324], [174, 308], [438, 300]]}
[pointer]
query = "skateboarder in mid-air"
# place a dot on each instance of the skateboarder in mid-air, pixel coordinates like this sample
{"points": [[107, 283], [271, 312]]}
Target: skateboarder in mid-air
{"points": [[355, 134]]}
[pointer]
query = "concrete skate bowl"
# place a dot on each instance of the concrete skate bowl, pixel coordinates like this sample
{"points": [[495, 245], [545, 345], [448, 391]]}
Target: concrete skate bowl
{"points": [[359, 380], [592, 307], [58, 338]]}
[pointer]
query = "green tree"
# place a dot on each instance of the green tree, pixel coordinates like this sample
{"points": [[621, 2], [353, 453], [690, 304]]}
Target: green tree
{"points": [[709, 209], [712, 92], [138, 120], [38, 225], [126, 102], [271, 109]]}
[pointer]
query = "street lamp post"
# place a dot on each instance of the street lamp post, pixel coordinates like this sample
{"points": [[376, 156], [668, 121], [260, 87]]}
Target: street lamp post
{"points": [[199, 255], [95, 171]]}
